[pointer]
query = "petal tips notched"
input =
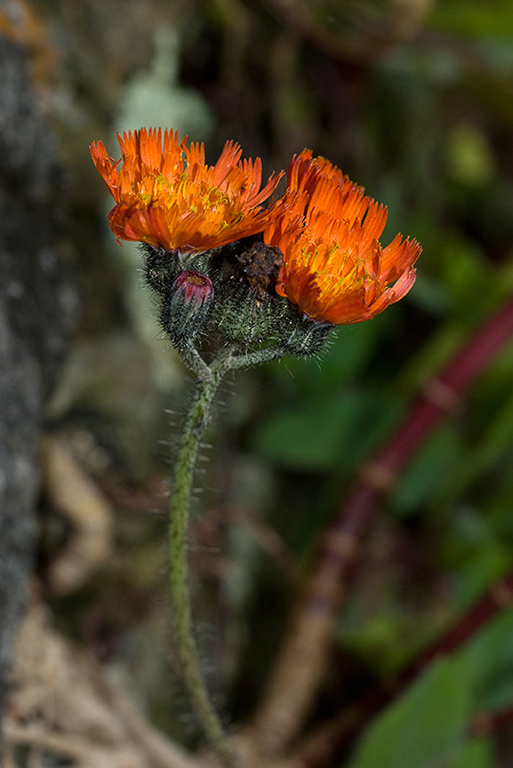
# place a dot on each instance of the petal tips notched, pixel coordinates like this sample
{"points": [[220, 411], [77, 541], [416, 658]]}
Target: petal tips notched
{"points": [[335, 269], [167, 196]]}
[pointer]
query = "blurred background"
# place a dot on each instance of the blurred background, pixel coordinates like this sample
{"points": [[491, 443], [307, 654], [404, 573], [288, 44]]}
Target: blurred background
{"points": [[413, 99]]}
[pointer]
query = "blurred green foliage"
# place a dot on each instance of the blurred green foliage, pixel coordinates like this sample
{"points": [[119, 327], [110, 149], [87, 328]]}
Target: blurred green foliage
{"points": [[429, 724], [415, 102], [433, 140]]}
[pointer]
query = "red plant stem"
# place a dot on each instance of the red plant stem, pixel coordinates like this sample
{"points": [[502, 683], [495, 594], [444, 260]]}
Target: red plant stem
{"points": [[484, 724], [318, 746], [301, 660], [497, 598], [440, 396]]}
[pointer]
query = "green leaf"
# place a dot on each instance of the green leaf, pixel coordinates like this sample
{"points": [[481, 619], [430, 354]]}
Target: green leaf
{"points": [[310, 434], [347, 352], [326, 431], [484, 452], [476, 754], [464, 272], [489, 659], [425, 728], [477, 19], [428, 470]]}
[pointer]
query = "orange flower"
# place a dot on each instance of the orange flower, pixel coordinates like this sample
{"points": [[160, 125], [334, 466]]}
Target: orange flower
{"points": [[167, 196], [335, 269]]}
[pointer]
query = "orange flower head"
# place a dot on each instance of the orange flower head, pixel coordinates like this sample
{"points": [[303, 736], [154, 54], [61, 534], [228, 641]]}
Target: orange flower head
{"points": [[168, 197], [335, 269]]}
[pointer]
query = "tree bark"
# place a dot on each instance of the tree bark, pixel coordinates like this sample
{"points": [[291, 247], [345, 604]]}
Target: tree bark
{"points": [[37, 305]]}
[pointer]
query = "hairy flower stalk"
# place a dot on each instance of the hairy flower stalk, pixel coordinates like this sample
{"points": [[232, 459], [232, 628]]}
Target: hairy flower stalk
{"points": [[194, 428], [258, 283]]}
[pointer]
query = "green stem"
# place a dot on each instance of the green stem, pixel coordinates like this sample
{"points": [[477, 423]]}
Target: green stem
{"points": [[247, 359], [208, 380], [197, 420]]}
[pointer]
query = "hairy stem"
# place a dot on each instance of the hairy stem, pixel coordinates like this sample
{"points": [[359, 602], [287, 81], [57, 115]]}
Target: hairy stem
{"points": [[197, 420]]}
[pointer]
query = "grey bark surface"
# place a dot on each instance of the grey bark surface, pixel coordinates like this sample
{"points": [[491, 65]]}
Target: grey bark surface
{"points": [[37, 304]]}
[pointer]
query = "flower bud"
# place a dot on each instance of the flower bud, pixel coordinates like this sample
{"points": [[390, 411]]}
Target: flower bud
{"points": [[252, 319], [307, 337], [160, 267], [194, 288], [187, 305]]}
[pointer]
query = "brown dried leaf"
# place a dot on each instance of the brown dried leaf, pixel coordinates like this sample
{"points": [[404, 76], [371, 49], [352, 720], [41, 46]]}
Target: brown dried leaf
{"points": [[89, 514]]}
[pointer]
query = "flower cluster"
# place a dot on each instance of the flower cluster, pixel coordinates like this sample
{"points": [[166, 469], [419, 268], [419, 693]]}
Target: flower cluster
{"points": [[318, 246]]}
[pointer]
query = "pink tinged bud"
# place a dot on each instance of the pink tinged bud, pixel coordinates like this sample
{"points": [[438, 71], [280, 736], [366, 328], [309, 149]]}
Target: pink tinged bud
{"points": [[194, 288], [187, 306]]}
